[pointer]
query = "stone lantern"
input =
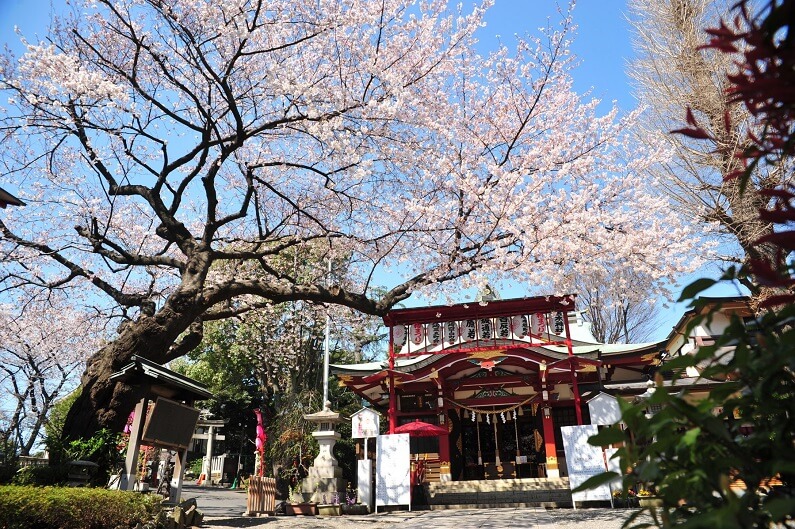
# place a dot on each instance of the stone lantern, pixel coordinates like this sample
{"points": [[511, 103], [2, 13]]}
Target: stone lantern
{"points": [[324, 477]]}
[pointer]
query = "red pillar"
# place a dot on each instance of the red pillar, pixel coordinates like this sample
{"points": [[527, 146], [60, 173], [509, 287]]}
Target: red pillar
{"points": [[549, 443], [572, 366], [392, 404], [444, 440], [549, 428]]}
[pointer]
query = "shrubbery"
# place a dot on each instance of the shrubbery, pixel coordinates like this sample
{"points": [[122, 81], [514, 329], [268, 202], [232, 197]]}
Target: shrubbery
{"points": [[77, 508], [41, 475]]}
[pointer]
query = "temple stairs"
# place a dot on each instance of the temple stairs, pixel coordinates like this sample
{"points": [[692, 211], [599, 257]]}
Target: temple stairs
{"points": [[525, 492]]}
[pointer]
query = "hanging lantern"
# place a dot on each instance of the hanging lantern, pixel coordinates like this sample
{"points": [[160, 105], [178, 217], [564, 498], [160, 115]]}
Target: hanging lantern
{"points": [[398, 335], [538, 323], [485, 327], [504, 327], [519, 327], [559, 326], [417, 333], [436, 333], [451, 332], [468, 330]]}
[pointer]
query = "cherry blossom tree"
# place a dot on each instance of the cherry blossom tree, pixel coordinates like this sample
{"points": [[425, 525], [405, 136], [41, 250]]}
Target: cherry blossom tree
{"points": [[43, 349], [155, 140]]}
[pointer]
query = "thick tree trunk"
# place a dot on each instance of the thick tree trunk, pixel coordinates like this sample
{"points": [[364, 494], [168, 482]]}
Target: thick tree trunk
{"points": [[104, 403]]}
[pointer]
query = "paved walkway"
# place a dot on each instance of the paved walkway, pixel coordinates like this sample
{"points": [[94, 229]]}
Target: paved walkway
{"points": [[454, 519], [223, 509]]}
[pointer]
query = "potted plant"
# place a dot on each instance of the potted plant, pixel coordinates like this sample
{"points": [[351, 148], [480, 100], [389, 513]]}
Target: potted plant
{"points": [[352, 505], [646, 498], [330, 509], [625, 499], [296, 506]]}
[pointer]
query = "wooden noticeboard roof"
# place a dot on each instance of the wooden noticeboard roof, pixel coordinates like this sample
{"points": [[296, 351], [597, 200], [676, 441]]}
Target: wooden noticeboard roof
{"points": [[161, 380]]}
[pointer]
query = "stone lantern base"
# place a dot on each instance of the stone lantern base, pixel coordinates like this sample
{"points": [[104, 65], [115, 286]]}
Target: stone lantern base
{"points": [[325, 476]]}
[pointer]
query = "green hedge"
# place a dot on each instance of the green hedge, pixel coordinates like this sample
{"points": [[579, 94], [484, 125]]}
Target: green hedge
{"points": [[76, 508]]}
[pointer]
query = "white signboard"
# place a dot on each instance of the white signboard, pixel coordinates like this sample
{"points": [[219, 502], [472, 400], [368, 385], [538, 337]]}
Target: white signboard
{"points": [[393, 466], [365, 487], [365, 424], [604, 409], [583, 461]]}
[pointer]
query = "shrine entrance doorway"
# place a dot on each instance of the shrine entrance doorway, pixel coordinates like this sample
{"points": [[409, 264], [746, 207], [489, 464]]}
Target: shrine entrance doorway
{"points": [[490, 449]]}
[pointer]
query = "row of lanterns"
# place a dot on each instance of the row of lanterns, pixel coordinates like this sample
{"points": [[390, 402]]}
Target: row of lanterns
{"points": [[451, 332]]}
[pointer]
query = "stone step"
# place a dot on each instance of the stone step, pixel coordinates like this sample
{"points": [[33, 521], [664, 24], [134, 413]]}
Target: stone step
{"points": [[506, 485], [542, 493]]}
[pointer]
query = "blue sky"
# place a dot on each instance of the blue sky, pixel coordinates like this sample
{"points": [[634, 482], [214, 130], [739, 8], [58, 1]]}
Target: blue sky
{"points": [[602, 45]]}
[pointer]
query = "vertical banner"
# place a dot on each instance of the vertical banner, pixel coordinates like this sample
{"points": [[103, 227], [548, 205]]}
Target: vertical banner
{"points": [[393, 466], [583, 461]]}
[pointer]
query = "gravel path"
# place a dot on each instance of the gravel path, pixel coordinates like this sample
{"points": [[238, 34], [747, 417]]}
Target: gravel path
{"points": [[453, 519], [223, 509]]}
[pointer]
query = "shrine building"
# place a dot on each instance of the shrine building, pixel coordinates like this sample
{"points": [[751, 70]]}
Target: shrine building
{"points": [[501, 376]]}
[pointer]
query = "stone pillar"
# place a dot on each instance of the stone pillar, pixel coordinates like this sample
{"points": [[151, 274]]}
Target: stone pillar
{"points": [[177, 478], [207, 464]]}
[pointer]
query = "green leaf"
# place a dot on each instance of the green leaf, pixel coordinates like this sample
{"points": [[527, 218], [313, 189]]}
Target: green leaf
{"points": [[607, 436], [595, 481], [680, 362], [695, 288], [691, 436]]}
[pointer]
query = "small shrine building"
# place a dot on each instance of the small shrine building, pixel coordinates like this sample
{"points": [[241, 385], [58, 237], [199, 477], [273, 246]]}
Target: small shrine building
{"points": [[502, 377]]}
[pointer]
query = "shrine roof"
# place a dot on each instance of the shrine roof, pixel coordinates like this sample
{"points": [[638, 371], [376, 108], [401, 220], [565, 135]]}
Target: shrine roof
{"points": [[608, 348], [640, 387], [481, 309], [553, 352]]}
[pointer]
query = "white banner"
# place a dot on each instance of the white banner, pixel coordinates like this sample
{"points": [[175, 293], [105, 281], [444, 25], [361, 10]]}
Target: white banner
{"points": [[583, 461], [393, 467]]}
